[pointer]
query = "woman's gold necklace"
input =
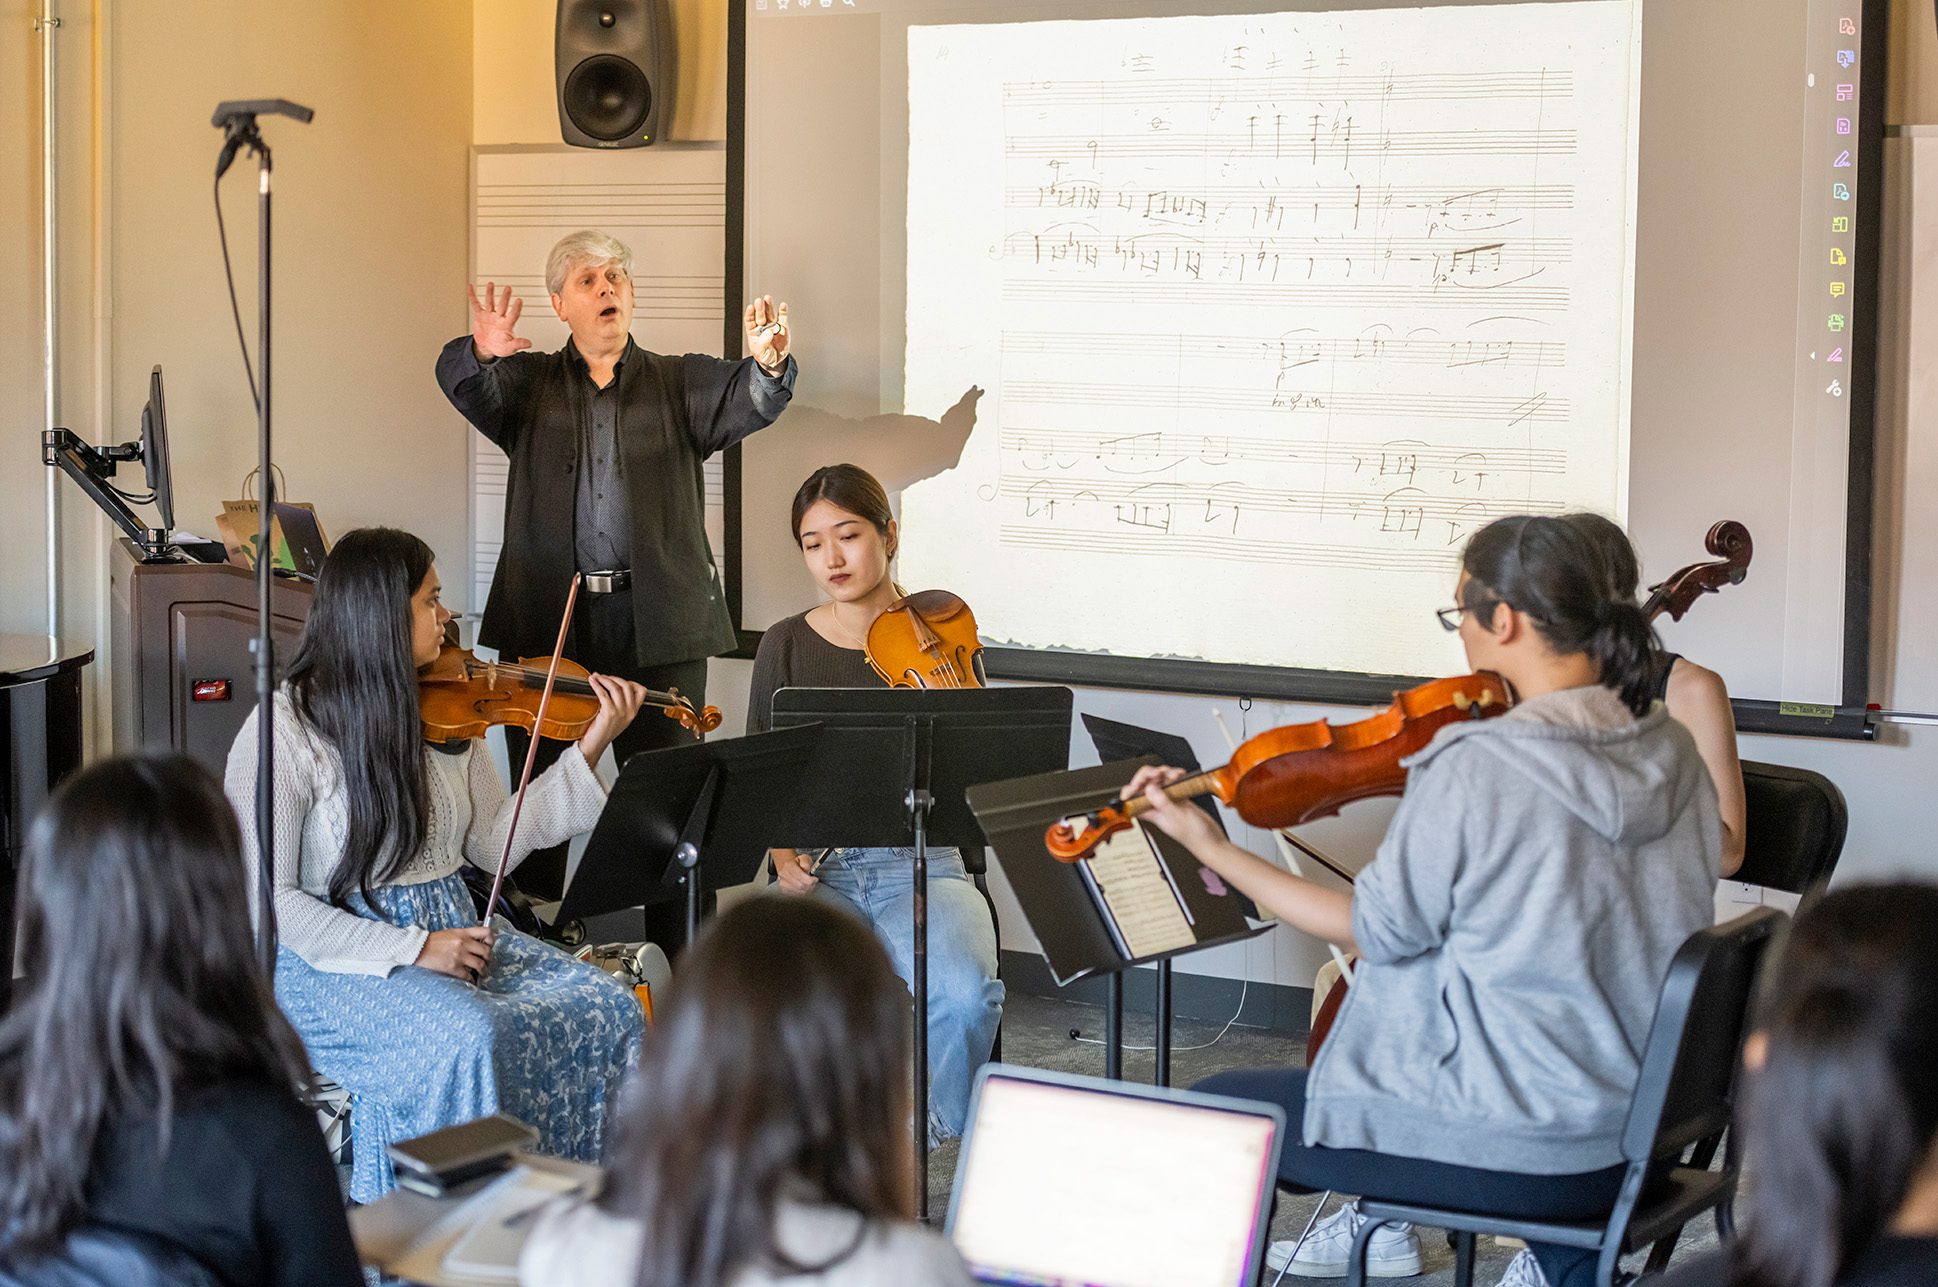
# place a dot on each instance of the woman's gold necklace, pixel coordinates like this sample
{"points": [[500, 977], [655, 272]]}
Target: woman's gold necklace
{"points": [[835, 613]]}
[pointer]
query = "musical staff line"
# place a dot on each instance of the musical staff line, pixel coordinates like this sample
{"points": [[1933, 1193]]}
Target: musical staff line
{"points": [[1394, 457], [1540, 408], [1331, 88]]}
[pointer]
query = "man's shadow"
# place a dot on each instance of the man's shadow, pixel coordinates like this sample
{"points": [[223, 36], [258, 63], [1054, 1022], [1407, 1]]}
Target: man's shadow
{"points": [[900, 450]]}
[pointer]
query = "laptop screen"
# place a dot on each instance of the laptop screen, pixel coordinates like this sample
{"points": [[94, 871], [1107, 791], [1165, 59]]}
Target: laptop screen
{"points": [[1071, 1180]]}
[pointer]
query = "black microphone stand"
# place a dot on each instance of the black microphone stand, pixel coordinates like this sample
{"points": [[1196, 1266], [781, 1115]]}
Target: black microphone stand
{"points": [[238, 120]]}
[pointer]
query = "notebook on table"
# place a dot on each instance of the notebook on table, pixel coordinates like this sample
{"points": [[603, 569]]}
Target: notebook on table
{"points": [[1067, 1180]]}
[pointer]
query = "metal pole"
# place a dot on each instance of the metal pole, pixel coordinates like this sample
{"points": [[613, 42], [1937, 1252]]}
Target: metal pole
{"points": [[48, 24], [265, 570]]}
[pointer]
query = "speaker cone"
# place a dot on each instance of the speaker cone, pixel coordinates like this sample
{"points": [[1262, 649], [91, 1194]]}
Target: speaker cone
{"points": [[608, 97]]}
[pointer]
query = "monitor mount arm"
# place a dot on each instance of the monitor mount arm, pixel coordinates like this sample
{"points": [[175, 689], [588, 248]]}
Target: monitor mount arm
{"points": [[90, 467]]}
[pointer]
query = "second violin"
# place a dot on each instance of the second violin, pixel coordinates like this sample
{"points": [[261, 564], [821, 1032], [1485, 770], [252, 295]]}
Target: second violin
{"points": [[460, 696], [1286, 776]]}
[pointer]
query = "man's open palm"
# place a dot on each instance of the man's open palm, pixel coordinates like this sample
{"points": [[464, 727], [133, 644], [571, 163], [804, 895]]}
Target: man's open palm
{"points": [[494, 322]]}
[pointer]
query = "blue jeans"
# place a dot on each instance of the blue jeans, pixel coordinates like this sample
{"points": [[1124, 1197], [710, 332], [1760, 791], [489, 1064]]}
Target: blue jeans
{"points": [[965, 996]]}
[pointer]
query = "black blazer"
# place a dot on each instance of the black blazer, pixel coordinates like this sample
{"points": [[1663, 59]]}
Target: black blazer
{"points": [[674, 412]]}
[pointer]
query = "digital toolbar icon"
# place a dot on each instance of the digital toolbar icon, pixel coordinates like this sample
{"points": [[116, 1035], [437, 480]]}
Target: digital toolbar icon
{"points": [[1846, 57], [1846, 27], [1837, 258], [1836, 355], [1843, 125], [1835, 389], [1840, 192], [1845, 93], [1836, 322], [1840, 223], [1837, 290], [1843, 161]]}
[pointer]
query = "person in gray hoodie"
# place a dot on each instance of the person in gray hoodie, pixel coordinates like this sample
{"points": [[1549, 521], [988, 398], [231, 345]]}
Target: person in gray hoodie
{"points": [[1514, 929]]}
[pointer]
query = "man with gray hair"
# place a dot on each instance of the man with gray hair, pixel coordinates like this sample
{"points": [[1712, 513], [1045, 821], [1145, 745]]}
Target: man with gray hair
{"points": [[605, 442]]}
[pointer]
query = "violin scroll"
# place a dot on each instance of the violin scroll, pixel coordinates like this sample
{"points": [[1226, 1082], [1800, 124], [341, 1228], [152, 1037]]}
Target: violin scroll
{"points": [[1730, 542], [697, 722]]}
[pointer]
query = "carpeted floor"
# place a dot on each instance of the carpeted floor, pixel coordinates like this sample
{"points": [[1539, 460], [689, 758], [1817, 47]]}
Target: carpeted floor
{"points": [[1036, 1033]]}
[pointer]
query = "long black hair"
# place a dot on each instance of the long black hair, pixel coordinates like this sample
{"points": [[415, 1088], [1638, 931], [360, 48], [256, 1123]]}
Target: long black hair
{"points": [[142, 982], [780, 1059], [354, 680], [1843, 1113], [1557, 572]]}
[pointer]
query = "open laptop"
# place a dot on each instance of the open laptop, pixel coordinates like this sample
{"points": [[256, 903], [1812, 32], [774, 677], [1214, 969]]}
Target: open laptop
{"points": [[1068, 1180]]}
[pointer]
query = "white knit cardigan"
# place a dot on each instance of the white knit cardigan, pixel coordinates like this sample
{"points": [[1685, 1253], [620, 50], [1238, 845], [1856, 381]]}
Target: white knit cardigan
{"points": [[469, 814]]}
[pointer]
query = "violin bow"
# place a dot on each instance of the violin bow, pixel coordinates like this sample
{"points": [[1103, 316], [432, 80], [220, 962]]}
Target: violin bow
{"points": [[531, 748]]}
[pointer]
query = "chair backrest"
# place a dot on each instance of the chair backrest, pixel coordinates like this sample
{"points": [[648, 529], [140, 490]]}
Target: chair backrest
{"points": [[1796, 820], [1689, 1067]]}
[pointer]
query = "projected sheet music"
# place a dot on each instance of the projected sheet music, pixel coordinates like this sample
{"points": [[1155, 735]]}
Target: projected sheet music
{"points": [[1273, 312]]}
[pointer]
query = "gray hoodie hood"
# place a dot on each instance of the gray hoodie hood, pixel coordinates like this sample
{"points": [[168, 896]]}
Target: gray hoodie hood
{"points": [[1582, 747]]}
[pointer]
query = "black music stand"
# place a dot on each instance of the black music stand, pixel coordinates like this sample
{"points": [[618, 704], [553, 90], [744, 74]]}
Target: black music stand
{"points": [[891, 769], [1059, 903], [690, 818]]}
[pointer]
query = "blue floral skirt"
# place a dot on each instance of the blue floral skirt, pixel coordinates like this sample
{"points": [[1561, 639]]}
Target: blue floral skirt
{"points": [[542, 1037]]}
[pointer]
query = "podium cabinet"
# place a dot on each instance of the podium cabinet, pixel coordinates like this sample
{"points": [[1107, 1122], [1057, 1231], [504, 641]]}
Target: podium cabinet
{"points": [[184, 675]]}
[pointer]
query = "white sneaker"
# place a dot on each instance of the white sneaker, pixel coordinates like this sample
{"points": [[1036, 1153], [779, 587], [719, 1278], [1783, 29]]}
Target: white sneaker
{"points": [[1393, 1253], [1524, 1271]]}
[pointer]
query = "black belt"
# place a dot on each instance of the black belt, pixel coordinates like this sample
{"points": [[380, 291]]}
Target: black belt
{"points": [[607, 582]]}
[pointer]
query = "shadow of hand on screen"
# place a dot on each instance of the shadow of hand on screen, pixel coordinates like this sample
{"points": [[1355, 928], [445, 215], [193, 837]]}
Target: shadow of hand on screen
{"points": [[897, 449]]}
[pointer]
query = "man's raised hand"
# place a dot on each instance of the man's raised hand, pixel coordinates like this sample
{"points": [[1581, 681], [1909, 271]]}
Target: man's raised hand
{"points": [[494, 323], [767, 335]]}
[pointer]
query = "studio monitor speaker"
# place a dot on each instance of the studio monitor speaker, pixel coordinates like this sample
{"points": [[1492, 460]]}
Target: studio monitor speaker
{"points": [[614, 62]]}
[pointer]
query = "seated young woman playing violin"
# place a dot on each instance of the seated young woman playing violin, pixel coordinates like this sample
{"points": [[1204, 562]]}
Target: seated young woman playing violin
{"points": [[846, 531], [1542, 869], [402, 998]]}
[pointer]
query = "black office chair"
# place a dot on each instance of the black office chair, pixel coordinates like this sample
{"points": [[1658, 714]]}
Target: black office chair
{"points": [[1676, 1119], [1794, 833]]}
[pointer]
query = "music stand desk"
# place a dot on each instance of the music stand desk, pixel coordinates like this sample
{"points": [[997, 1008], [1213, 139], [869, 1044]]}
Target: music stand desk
{"points": [[892, 769], [691, 818]]}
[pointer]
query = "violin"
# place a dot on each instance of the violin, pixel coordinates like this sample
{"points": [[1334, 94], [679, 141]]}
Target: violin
{"points": [[926, 640], [1286, 776], [459, 697], [1729, 541]]}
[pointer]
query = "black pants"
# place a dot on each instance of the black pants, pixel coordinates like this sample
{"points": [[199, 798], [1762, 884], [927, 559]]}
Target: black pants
{"points": [[601, 640], [1586, 1195]]}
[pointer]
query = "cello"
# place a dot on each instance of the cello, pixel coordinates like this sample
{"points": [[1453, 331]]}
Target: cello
{"points": [[1728, 541]]}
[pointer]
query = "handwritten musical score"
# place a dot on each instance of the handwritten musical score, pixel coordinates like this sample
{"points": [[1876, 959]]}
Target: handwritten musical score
{"points": [[1273, 311]]}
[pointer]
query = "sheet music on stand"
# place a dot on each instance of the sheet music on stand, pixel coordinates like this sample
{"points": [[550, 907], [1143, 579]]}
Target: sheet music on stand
{"points": [[1142, 898], [1140, 901]]}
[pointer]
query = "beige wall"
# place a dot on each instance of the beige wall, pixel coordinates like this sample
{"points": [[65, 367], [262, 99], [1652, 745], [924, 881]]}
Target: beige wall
{"points": [[1911, 87], [371, 254], [514, 80]]}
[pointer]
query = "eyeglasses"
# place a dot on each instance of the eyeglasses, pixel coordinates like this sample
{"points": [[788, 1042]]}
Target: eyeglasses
{"points": [[1450, 617]]}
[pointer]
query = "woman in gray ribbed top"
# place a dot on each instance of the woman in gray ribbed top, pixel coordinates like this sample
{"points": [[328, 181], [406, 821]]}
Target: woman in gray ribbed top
{"points": [[1516, 925], [847, 533]]}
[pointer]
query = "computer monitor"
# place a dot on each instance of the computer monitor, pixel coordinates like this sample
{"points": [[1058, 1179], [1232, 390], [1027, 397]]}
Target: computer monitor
{"points": [[1075, 1180], [154, 450]]}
